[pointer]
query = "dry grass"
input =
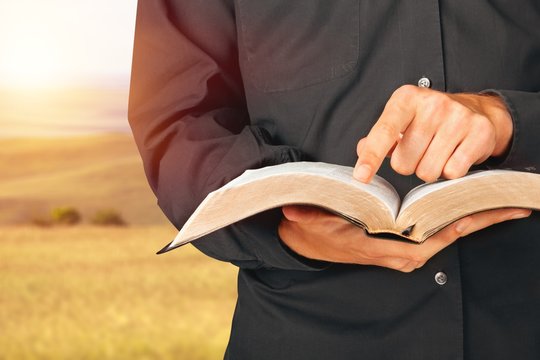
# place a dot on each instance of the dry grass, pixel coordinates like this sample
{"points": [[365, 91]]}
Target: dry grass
{"points": [[86, 172], [101, 293]]}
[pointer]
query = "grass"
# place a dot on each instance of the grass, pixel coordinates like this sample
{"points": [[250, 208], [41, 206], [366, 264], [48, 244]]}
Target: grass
{"points": [[100, 293], [89, 292], [89, 173]]}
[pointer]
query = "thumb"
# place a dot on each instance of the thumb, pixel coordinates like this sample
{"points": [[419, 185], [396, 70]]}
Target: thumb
{"points": [[300, 213]]}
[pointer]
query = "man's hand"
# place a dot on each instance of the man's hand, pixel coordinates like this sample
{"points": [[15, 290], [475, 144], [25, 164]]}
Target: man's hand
{"points": [[427, 133], [317, 234], [434, 134]]}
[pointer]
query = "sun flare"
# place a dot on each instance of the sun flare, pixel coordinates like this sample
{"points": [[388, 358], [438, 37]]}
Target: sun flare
{"points": [[30, 63], [64, 43]]}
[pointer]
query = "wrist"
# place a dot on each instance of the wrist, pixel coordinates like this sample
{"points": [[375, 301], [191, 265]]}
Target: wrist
{"points": [[495, 109]]}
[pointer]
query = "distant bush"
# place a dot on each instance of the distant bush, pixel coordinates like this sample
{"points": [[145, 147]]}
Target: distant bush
{"points": [[108, 217], [41, 221], [65, 216]]}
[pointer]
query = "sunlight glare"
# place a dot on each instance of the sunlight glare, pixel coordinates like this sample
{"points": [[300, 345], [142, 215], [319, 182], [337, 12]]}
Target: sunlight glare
{"points": [[31, 63], [62, 43]]}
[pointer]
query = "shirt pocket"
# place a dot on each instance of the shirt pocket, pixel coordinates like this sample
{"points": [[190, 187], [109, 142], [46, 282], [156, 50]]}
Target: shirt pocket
{"points": [[291, 44]]}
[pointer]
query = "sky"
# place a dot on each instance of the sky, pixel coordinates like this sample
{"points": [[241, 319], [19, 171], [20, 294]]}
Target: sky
{"points": [[64, 66], [51, 43]]}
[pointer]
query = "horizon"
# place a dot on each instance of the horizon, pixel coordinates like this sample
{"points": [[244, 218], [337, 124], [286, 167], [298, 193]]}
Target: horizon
{"points": [[69, 111]]}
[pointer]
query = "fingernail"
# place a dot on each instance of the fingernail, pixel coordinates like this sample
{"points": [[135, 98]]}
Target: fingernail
{"points": [[463, 224], [362, 172], [520, 214]]}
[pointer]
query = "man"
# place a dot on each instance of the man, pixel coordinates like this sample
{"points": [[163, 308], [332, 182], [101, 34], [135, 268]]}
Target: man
{"points": [[438, 86]]}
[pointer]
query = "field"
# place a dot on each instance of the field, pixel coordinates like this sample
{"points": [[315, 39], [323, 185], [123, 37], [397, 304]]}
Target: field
{"points": [[87, 292], [87, 172]]}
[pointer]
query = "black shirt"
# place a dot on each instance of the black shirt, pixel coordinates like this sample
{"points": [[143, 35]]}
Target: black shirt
{"points": [[219, 87]]}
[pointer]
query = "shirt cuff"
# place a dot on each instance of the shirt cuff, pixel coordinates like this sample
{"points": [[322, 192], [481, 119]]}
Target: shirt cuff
{"points": [[524, 108], [259, 247]]}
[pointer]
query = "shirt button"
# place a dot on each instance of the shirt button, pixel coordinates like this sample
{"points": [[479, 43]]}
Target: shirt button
{"points": [[424, 82], [441, 278]]}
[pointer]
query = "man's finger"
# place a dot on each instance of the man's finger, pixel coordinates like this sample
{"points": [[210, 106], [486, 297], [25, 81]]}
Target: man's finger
{"points": [[411, 148], [400, 264], [298, 213], [435, 158], [396, 117], [487, 218], [307, 214], [477, 146]]}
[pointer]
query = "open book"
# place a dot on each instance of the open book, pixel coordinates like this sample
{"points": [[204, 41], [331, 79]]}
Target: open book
{"points": [[375, 206]]}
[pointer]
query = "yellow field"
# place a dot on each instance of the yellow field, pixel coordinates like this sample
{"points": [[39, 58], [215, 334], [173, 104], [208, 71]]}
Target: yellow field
{"points": [[101, 293], [87, 172]]}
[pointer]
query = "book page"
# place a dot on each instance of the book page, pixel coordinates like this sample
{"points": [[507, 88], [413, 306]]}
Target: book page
{"points": [[332, 187], [428, 188], [431, 207], [378, 187]]}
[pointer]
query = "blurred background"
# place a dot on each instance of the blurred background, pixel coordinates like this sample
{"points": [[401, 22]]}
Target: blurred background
{"points": [[79, 227]]}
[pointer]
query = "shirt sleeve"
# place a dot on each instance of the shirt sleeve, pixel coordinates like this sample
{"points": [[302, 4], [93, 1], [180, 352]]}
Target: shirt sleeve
{"points": [[188, 115], [524, 108]]}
